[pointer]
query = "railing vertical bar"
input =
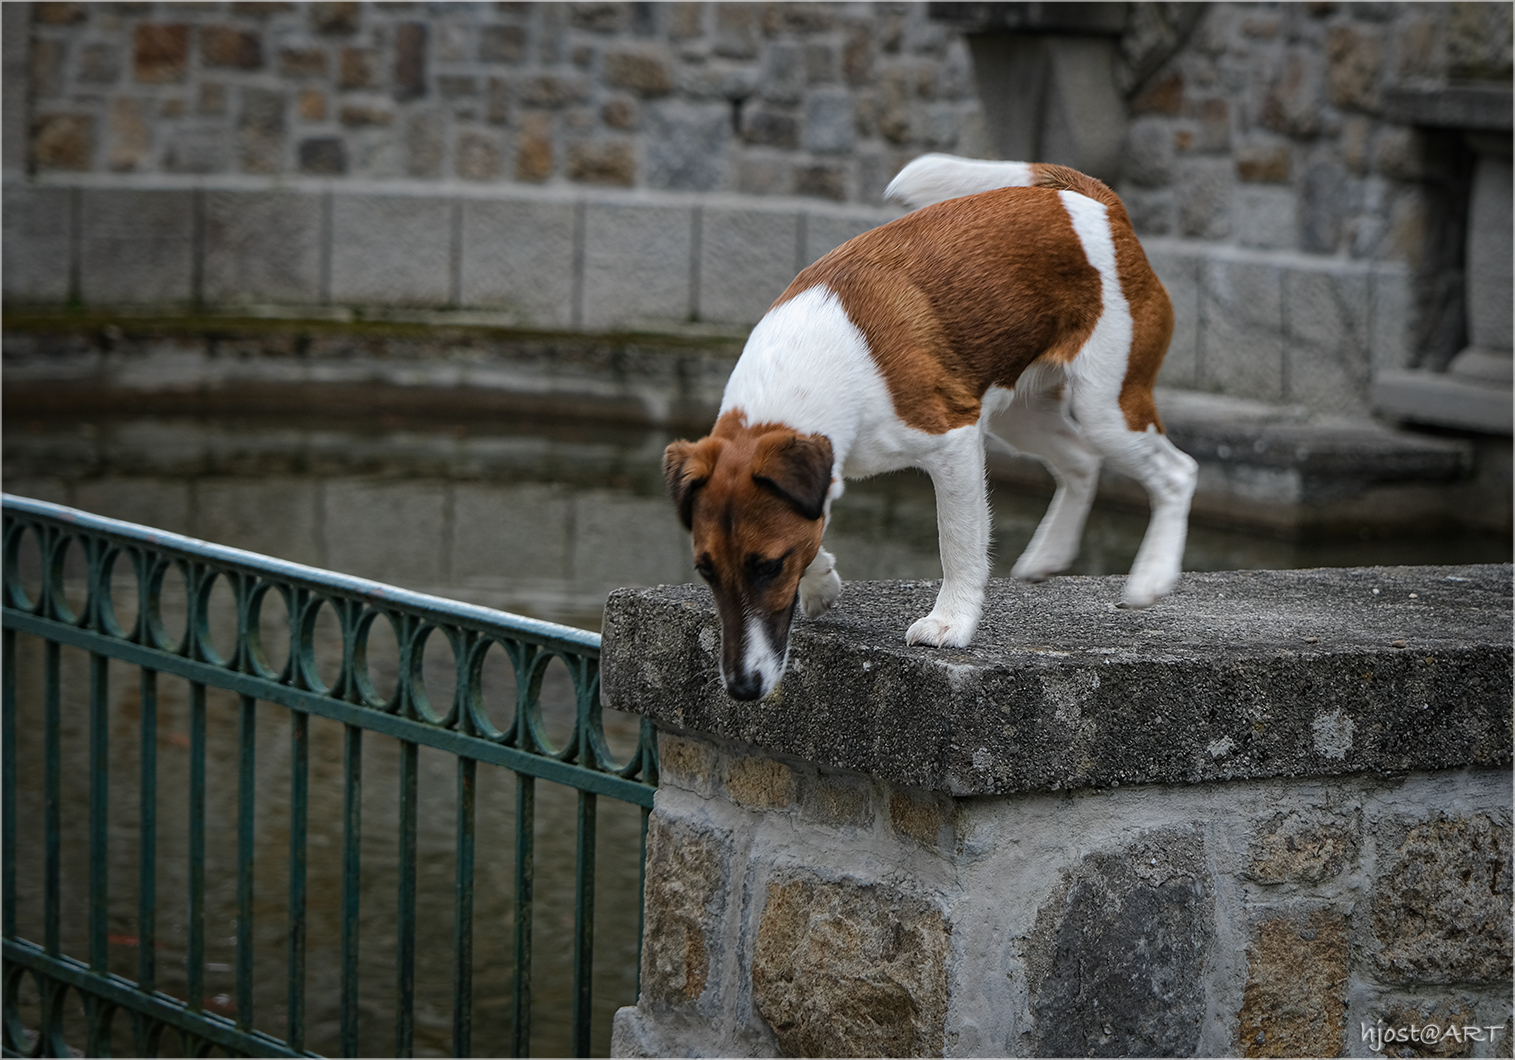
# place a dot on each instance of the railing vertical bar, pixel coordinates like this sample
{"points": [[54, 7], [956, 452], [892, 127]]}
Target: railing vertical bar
{"points": [[52, 805], [299, 797], [405, 920], [8, 781], [147, 863], [583, 922], [195, 971], [526, 800], [462, 976], [99, 810], [352, 799], [247, 719]]}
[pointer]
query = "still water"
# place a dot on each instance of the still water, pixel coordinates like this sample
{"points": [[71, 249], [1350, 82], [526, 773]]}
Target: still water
{"points": [[542, 519]]}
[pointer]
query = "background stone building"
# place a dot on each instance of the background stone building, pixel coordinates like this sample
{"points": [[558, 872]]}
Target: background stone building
{"points": [[1304, 172]]}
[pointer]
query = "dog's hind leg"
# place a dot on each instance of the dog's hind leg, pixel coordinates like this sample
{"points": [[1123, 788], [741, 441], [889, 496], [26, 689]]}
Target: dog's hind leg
{"points": [[819, 585], [1167, 474], [956, 467], [1037, 424]]}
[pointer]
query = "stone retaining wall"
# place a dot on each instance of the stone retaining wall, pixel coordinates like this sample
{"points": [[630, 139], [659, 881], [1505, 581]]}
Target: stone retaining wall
{"points": [[1267, 325], [1292, 836]]}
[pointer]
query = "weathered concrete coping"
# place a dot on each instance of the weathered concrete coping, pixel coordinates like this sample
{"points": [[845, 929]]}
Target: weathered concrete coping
{"points": [[1243, 674]]}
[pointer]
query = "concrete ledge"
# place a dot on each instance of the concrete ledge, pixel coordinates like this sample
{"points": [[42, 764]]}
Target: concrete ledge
{"points": [[1252, 323], [1444, 400], [1236, 675]]}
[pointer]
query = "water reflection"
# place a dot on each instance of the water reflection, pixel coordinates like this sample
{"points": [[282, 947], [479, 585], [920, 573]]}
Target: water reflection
{"points": [[542, 519]]}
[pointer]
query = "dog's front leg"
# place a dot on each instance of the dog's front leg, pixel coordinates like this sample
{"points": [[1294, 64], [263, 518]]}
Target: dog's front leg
{"points": [[956, 467], [819, 585]]}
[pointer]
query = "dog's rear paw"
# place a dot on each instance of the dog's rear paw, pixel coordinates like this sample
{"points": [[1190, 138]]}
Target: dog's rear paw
{"points": [[1144, 592], [819, 592], [938, 631]]}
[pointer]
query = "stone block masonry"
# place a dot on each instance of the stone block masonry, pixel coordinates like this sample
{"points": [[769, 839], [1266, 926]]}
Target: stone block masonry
{"points": [[1270, 816], [823, 100]]}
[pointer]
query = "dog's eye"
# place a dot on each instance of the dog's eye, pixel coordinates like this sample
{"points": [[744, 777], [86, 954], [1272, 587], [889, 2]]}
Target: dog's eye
{"points": [[705, 569], [765, 569]]}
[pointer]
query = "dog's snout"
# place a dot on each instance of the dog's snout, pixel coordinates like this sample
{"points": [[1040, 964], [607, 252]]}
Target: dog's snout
{"points": [[747, 685]]}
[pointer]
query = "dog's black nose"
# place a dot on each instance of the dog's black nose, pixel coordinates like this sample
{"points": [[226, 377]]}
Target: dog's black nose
{"points": [[745, 686]]}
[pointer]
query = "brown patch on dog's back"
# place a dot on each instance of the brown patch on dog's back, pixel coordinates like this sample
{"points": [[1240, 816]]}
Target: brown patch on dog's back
{"points": [[963, 295]]}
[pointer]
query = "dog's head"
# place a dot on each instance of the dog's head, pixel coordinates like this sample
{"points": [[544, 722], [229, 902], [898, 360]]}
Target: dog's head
{"points": [[754, 499]]}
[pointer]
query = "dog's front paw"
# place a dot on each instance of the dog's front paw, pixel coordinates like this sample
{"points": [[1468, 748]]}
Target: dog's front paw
{"points": [[941, 631], [819, 592]]}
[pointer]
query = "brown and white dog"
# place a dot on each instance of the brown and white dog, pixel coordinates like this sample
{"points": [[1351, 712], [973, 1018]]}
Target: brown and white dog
{"points": [[1014, 287]]}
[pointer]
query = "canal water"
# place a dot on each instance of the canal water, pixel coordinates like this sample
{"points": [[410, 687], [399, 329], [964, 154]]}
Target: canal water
{"points": [[539, 518]]}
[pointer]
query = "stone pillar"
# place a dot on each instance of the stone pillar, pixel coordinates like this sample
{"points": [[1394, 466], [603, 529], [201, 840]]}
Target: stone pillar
{"points": [[1046, 78], [1270, 816], [1474, 393]]}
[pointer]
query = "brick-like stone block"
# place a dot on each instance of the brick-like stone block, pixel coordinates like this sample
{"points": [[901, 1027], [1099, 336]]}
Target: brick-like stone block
{"points": [[620, 540], [1441, 905], [262, 246], [687, 871], [1326, 362], [636, 265], [1178, 269], [849, 969], [746, 261], [136, 246], [38, 243], [536, 519], [837, 800], [1295, 1002], [1390, 298], [761, 783], [1300, 848], [391, 249], [518, 255], [359, 538], [687, 762], [273, 516], [824, 232], [1117, 957], [1242, 342]]}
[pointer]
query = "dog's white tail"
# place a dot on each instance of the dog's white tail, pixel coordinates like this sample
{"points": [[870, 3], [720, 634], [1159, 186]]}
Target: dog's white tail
{"points": [[936, 178]]}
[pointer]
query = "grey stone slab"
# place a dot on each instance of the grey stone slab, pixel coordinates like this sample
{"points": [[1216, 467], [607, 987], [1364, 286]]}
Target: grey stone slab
{"points": [[274, 516], [1390, 299], [746, 261], [391, 249], [620, 540], [1241, 674], [1178, 269], [518, 255], [136, 246], [825, 232], [262, 246], [38, 243], [371, 529], [636, 264], [161, 503], [1241, 339], [535, 520], [1327, 359], [1443, 400], [1264, 216]]}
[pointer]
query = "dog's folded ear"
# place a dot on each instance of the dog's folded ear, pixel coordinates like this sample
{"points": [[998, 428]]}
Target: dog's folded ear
{"points": [[797, 467], [687, 467]]}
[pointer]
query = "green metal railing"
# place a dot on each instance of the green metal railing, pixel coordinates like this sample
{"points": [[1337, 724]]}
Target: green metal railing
{"points": [[116, 553]]}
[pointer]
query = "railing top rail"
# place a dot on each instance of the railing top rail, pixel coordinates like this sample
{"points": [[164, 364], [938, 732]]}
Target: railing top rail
{"points": [[179, 546]]}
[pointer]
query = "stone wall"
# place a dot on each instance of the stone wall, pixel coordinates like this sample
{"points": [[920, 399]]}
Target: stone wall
{"points": [[824, 100], [611, 166], [1269, 817]]}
